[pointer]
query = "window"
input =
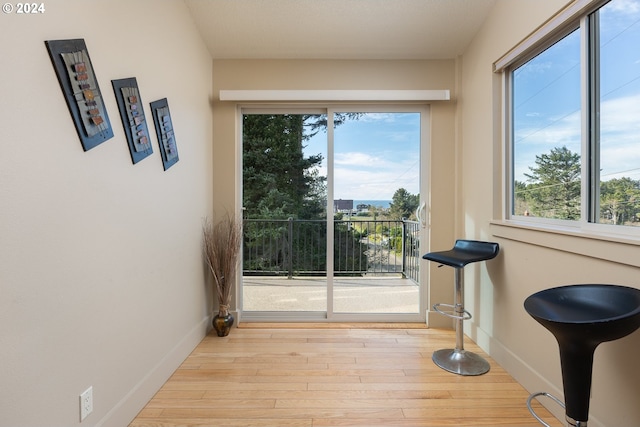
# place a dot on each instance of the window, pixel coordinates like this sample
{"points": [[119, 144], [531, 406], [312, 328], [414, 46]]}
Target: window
{"points": [[574, 115]]}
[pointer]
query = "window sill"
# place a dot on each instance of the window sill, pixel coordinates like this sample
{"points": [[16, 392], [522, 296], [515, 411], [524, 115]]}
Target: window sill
{"points": [[610, 247]]}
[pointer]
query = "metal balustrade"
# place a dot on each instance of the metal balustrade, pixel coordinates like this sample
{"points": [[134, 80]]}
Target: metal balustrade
{"points": [[294, 247]]}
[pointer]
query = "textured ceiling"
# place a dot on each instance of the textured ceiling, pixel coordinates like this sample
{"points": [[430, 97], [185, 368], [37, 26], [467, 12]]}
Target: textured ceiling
{"points": [[338, 29]]}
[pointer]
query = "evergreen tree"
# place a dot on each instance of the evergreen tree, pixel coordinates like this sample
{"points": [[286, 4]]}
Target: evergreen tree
{"points": [[521, 201], [620, 201], [554, 191], [279, 182], [403, 205]]}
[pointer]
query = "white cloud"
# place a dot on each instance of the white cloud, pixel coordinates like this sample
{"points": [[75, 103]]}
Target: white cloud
{"points": [[373, 185], [367, 178], [356, 159], [621, 116], [378, 117], [560, 131], [620, 138]]}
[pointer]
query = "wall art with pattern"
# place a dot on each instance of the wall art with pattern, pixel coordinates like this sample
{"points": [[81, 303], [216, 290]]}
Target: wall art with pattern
{"points": [[165, 133], [133, 119], [79, 85]]}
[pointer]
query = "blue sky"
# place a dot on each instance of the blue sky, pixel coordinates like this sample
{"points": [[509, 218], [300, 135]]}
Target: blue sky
{"points": [[379, 153], [548, 102], [374, 156]]}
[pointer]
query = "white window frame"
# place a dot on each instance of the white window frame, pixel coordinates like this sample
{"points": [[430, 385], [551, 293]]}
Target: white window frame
{"points": [[573, 16]]}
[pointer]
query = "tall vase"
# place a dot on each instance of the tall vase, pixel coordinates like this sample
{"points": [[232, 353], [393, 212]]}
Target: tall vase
{"points": [[222, 322]]}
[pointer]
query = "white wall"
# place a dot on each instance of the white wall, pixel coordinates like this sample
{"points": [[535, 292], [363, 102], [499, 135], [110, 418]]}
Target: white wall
{"points": [[101, 278], [531, 261]]}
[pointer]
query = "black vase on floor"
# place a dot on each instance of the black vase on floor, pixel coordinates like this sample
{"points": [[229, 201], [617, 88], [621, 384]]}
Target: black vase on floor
{"points": [[222, 324]]}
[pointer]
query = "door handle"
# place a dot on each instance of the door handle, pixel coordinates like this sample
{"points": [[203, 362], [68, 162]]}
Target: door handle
{"points": [[422, 220]]}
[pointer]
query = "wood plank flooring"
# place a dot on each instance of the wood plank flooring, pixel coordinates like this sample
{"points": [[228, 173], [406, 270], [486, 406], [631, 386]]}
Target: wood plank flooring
{"points": [[333, 375]]}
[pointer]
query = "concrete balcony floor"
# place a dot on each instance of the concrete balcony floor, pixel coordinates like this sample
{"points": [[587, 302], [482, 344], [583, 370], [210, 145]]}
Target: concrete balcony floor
{"points": [[370, 294]]}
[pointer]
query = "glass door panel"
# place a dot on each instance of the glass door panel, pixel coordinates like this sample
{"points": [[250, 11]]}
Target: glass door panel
{"points": [[376, 192], [284, 209]]}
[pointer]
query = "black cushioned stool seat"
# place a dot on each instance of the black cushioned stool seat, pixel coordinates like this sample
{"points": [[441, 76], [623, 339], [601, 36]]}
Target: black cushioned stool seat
{"points": [[458, 360], [465, 252]]}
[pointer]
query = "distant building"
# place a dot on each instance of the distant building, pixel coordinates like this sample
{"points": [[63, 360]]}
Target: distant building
{"points": [[342, 205], [362, 207]]}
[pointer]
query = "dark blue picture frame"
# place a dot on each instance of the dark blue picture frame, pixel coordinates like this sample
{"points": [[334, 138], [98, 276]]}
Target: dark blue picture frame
{"points": [[133, 118], [165, 132], [72, 64]]}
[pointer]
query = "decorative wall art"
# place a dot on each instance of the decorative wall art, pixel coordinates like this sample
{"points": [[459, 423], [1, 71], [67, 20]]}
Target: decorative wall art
{"points": [[79, 85], [133, 120], [164, 130]]}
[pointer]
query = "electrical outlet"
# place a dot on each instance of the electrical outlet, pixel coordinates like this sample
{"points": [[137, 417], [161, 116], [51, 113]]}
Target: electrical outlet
{"points": [[86, 403]]}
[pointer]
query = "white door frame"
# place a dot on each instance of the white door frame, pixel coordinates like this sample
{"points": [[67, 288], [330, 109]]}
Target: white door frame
{"points": [[425, 190]]}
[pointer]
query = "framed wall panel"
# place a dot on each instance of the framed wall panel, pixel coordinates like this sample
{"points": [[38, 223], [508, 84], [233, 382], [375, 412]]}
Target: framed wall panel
{"points": [[164, 131], [81, 91], [133, 118]]}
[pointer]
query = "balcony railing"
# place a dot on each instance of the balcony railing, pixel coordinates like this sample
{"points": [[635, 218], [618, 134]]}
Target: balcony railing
{"points": [[299, 247]]}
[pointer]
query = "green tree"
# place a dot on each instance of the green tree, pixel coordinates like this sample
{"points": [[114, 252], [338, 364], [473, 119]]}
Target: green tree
{"points": [[620, 201], [403, 205], [554, 189], [395, 239], [521, 199], [279, 181]]}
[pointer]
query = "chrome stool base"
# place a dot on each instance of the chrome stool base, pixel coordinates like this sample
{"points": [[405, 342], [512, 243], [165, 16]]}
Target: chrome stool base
{"points": [[461, 362]]}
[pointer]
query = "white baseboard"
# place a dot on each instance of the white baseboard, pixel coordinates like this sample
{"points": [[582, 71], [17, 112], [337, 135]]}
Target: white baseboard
{"points": [[133, 402]]}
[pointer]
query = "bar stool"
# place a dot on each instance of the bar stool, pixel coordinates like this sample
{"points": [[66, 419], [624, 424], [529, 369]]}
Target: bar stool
{"points": [[581, 317], [458, 360]]}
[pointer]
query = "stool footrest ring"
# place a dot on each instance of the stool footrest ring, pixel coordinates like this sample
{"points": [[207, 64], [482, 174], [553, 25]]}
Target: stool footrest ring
{"points": [[453, 314], [545, 394]]}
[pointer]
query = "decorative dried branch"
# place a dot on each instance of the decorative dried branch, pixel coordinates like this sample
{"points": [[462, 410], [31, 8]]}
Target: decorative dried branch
{"points": [[221, 245]]}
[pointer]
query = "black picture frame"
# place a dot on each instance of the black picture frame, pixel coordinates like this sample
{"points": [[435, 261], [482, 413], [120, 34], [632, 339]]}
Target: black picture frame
{"points": [[133, 118], [165, 132], [73, 67]]}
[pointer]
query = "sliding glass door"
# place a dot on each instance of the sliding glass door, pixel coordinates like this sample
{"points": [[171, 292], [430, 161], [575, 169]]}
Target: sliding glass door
{"points": [[330, 199]]}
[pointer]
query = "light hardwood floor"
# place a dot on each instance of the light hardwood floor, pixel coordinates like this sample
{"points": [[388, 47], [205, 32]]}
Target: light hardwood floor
{"points": [[333, 375]]}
